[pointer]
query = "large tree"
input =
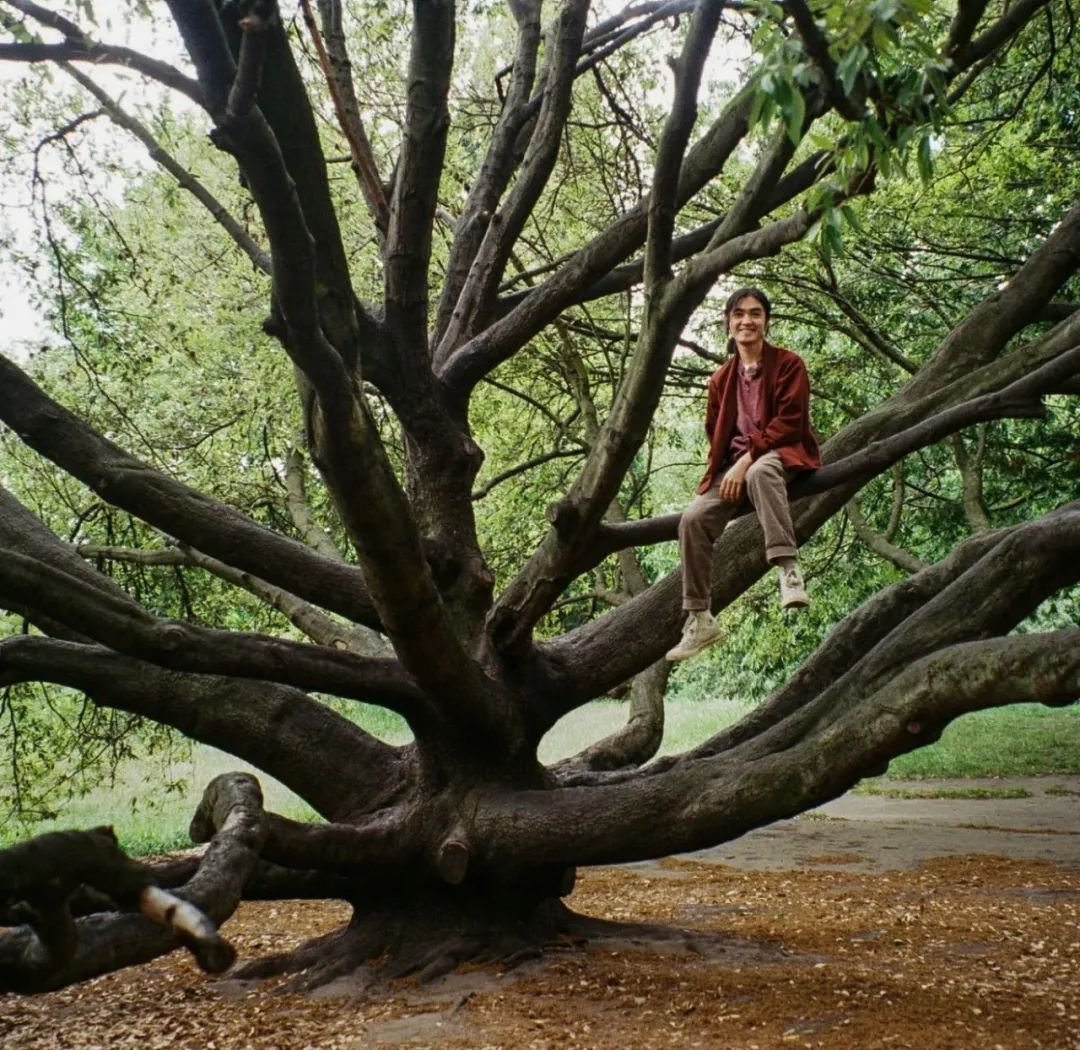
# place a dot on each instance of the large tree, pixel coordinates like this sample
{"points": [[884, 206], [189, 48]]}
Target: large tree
{"points": [[473, 254]]}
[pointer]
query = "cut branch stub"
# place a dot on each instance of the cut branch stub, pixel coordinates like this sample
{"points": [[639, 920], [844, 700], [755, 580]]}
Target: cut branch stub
{"points": [[453, 861], [194, 930], [564, 516], [225, 796]]}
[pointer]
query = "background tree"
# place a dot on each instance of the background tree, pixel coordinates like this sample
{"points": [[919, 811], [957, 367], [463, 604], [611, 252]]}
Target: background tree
{"points": [[525, 262]]}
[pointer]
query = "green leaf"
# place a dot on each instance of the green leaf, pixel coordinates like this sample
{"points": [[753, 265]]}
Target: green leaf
{"points": [[885, 36], [849, 66], [926, 163], [761, 112], [22, 34], [795, 116], [851, 217]]}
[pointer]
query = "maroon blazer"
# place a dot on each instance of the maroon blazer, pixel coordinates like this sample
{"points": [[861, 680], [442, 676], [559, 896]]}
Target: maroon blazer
{"points": [[787, 414]]}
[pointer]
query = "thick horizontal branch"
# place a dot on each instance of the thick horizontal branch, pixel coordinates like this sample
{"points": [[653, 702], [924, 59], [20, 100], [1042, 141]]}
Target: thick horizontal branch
{"points": [[107, 942], [174, 508], [957, 601], [122, 624], [597, 650], [1020, 399], [372, 853], [698, 804], [41, 876], [275, 728]]}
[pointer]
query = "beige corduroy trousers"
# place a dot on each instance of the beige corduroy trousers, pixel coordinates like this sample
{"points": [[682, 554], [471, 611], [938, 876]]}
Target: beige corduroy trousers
{"points": [[705, 518]]}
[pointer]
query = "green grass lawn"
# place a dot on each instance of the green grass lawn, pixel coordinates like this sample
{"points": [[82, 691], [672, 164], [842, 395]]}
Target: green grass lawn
{"points": [[1023, 740]]}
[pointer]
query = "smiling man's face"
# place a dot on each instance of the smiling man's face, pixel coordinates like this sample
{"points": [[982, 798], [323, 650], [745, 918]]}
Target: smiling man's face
{"points": [[746, 323]]}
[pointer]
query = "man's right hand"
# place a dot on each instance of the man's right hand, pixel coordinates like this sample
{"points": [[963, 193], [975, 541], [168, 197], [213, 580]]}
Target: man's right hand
{"points": [[733, 483]]}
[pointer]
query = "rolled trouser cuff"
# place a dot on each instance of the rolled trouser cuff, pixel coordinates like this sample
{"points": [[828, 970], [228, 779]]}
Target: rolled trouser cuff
{"points": [[774, 554]]}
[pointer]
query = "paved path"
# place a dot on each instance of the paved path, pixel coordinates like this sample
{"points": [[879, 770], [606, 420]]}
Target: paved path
{"points": [[876, 833]]}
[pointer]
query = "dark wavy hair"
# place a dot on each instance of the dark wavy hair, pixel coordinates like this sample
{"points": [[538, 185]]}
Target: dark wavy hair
{"points": [[742, 293], [733, 301]]}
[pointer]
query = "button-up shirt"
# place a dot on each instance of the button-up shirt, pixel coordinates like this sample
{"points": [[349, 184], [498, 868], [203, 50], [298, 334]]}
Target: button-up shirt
{"points": [[751, 411]]}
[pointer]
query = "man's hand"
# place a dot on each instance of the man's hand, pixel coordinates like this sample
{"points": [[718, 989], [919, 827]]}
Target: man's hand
{"points": [[733, 482]]}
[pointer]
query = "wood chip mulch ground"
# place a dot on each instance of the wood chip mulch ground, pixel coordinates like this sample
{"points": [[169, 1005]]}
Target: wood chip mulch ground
{"points": [[965, 952]]}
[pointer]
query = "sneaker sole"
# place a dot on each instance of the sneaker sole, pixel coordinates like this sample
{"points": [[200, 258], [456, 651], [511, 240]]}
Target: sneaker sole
{"points": [[796, 603]]}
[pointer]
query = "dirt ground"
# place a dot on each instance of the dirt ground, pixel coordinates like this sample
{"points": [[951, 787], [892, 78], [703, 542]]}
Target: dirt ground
{"points": [[862, 948]]}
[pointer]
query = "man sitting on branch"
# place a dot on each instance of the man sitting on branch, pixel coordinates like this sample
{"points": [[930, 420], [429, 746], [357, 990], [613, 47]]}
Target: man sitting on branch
{"points": [[757, 421]]}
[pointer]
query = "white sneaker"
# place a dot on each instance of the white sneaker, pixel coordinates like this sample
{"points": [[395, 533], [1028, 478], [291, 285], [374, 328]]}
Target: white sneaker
{"points": [[792, 589], [700, 631]]}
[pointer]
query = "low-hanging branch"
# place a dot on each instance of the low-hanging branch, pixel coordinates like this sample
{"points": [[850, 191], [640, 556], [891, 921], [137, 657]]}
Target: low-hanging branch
{"points": [[273, 727], [920, 620], [695, 804], [37, 881]]}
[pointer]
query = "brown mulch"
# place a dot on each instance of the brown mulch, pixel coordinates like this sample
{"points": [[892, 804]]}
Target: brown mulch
{"points": [[969, 952]]}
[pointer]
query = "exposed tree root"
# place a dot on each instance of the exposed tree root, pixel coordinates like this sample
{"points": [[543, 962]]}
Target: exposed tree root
{"points": [[425, 944]]}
